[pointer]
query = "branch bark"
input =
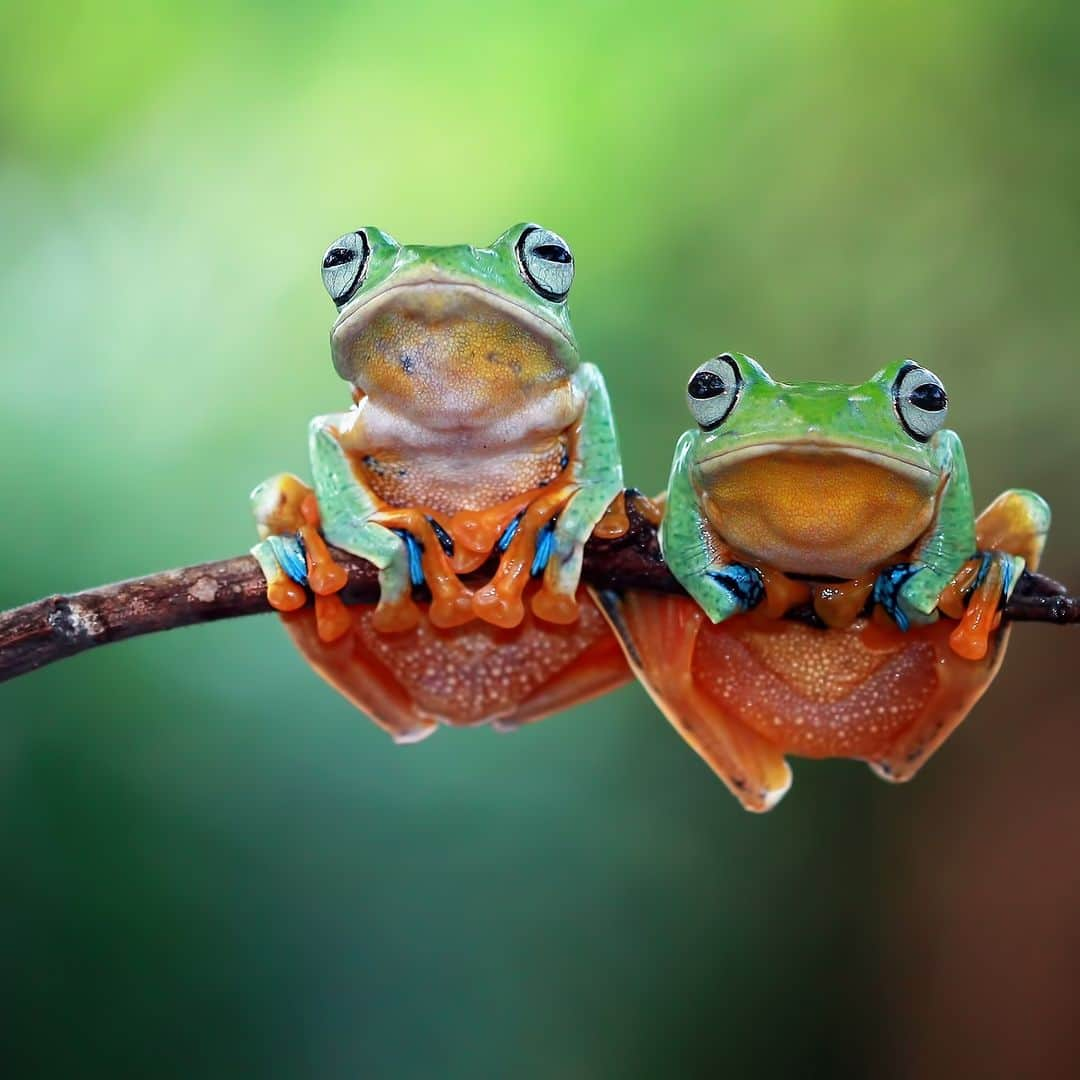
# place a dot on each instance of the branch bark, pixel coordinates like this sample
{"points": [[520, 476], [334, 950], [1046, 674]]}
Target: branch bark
{"points": [[60, 626]]}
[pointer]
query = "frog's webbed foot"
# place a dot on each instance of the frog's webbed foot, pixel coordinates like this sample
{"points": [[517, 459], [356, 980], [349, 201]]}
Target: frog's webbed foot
{"points": [[430, 550], [293, 556], [276, 505], [594, 508], [674, 651], [992, 579], [1010, 534], [526, 547]]}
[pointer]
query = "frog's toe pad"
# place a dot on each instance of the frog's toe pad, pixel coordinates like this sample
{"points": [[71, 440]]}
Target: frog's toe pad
{"points": [[555, 607], [447, 612], [498, 608]]}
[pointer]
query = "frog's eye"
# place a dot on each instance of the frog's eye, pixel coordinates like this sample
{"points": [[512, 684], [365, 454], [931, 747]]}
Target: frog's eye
{"points": [[713, 390], [920, 400], [545, 262], [344, 266]]}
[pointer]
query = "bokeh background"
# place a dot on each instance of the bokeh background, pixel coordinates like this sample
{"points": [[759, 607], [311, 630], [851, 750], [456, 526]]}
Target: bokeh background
{"points": [[209, 864]]}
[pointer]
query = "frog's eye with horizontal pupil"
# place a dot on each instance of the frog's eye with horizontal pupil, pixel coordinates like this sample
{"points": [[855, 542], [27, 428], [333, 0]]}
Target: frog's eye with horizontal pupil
{"points": [[713, 390], [545, 262], [344, 266], [920, 400]]}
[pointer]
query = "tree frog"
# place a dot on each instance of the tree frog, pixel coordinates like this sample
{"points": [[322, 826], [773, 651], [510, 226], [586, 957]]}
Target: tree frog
{"points": [[853, 503], [475, 432]]}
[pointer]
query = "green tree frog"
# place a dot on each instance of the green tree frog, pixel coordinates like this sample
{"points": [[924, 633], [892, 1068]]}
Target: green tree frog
{"points": [[476, 432], [854, 502]]}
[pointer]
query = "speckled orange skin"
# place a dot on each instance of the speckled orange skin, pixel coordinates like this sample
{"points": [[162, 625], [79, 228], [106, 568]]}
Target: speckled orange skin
{"points": [[411, 682], [749, 690]]}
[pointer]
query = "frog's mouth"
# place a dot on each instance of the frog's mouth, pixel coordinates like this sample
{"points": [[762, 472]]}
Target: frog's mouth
{"points": [[817, 507], [444, 332]]}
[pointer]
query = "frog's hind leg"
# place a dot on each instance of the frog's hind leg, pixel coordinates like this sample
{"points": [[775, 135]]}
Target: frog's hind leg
{"points": [[659, 635], [1011, 533], [1016, 522]]}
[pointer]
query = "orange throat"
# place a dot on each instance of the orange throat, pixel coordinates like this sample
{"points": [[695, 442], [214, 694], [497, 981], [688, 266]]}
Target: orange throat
{"points": [[816, 510]]}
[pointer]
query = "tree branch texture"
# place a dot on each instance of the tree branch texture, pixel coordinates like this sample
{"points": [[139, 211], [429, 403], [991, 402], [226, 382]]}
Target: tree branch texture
{"points": [[56, 627]]}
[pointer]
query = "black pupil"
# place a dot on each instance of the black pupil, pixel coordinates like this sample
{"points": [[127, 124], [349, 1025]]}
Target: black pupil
{"points": [[338, 256], [706, 384], [929, 397], [552, 253]]}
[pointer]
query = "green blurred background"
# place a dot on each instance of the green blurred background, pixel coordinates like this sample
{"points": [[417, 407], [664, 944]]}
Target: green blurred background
{"points": [[209, 864]]}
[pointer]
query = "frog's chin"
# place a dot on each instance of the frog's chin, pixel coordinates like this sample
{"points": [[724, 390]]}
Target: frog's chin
{"points": [[445, 323], [817, 508]]}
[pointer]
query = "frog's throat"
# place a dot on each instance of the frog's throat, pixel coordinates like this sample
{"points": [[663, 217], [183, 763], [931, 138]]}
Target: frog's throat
{"points": [[817, 507], [431, 291]]}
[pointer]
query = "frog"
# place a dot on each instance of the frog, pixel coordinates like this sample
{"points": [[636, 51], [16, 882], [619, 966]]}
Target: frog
{"points": [[477, 435], [850, 505]]}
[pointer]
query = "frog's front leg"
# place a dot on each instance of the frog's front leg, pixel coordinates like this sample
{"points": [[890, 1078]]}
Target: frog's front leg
{"points": [[550, 537], [595, 470], [276, 505], [721, 586], [347, 508], [910, 592]]}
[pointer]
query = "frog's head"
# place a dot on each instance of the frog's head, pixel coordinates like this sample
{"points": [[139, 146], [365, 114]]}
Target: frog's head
{"points": [[817, 478], [454, 328]]}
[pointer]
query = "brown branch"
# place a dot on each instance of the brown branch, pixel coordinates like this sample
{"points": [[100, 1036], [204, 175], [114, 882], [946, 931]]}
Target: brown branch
{"points": [[61, 626]]}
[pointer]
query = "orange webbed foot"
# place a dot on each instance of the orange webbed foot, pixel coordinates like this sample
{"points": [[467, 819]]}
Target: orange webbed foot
{"points": [[971, 638], [477, 532], [500, 601], [451, 600]]}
